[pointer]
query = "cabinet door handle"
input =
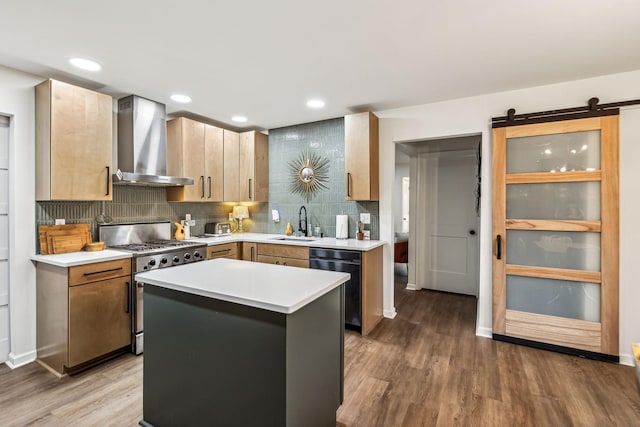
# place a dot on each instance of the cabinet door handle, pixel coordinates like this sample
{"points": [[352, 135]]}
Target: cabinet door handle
{"points": [[284, 263], [250, 196], [108, 176], [499, 247], [128, 306], [103, 271], [209, 179], [202, 181], [277, 262], [348, 184], [251, 253]]}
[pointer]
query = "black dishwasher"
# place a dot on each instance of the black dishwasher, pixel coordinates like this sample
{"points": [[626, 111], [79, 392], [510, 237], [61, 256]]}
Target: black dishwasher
{"points": [[345, 262]]}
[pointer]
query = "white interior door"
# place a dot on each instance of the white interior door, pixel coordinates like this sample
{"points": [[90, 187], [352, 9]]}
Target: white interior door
{"points": [[447, 240], [4, 238]]}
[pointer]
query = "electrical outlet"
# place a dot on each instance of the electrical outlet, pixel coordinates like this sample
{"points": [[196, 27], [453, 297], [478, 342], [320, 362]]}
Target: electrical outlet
{"points": [[367, 234], [60, 221], [365, 218]]}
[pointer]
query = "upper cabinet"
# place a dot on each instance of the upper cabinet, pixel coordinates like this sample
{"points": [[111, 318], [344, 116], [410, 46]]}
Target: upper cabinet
{"points": [[361, 156], [74, 143], [195, 150], [231, 191], [254, 167]]}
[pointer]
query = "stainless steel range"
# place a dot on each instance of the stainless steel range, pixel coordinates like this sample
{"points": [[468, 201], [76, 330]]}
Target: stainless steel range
{"points": [[152, 248]]}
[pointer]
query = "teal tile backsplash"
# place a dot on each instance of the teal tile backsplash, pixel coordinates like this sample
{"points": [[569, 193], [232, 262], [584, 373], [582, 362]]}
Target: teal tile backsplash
{"points": [[325, 138]]}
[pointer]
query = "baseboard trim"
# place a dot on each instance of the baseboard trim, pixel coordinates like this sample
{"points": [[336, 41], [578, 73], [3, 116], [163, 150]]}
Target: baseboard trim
{"points": [[627, 359], [412, 287], [484, 332], [16, 360], [389, 313]]}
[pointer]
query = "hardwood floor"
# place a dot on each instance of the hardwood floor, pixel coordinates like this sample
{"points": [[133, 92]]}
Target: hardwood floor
{"points": [[424, 368]]}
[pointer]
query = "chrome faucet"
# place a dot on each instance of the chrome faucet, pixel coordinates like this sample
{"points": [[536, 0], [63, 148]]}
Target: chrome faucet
{"points": [[300, 229]]}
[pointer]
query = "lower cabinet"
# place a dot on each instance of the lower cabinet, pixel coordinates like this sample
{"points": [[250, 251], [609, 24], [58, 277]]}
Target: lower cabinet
{"points": [[290, 255], [99, 319], [249, 251], [224, 250], [83, 314]]}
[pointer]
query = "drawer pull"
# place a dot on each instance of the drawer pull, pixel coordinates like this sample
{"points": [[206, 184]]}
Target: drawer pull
{"points": [[220, 251], [103, 271]]}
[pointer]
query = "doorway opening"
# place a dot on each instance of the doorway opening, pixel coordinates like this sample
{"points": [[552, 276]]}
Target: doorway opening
{"points": [[444, 213]]}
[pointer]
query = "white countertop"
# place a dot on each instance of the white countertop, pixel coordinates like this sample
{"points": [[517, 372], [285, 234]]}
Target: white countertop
{"points": [[79, 258], [267, 286], [324, 242]]}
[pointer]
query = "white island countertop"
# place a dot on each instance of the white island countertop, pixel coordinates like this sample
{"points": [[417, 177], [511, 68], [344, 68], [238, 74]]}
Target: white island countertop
{"points": [[267, 286]]}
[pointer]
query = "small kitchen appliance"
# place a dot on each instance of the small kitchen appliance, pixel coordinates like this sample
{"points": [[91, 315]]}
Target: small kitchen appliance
{"points": [[217, 229]]}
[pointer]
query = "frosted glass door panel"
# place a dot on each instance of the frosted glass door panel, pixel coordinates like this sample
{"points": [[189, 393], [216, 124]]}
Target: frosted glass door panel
{"points": [[556, 249], [574, 151], [558, 200], [561, 298]]}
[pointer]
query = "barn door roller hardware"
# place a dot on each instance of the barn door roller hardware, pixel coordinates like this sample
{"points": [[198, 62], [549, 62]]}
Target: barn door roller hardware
{"points": [[592, 109]]}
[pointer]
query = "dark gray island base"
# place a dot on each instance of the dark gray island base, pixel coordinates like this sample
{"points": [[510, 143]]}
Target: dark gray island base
{"points": [[210, 362]]}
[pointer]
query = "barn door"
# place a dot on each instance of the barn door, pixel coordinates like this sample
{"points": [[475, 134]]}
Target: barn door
{"points": [[555, 231]]}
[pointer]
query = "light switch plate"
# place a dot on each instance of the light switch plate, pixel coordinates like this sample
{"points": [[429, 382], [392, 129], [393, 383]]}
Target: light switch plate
{"points": [[60, 221], [365, 218]]}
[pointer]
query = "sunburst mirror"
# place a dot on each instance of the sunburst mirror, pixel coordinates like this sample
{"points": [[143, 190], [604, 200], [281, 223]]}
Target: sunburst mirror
{"points": [[309, 173]]}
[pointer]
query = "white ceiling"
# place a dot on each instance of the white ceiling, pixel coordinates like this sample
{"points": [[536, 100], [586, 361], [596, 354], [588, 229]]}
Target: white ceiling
{"points": [[264, 59]]}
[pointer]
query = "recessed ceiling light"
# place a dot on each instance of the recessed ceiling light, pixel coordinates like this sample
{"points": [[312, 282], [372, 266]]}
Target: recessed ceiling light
{"points": [[183, 99], [315, 103], [239, 119], [85, 64]]}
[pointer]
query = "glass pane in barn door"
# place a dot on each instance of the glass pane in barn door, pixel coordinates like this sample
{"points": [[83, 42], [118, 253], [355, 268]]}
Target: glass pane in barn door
{"points": [[555, 225]]}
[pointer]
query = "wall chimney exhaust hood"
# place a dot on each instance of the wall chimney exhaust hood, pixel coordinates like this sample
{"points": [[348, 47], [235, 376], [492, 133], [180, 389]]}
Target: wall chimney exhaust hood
{"points": [[142, 144]]}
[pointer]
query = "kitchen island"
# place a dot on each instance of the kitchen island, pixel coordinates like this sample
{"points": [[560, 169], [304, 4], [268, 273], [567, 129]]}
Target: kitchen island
{"points": [[237, 343]]}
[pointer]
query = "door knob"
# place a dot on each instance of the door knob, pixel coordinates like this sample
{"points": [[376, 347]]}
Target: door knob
{"points": [[472, 232]]}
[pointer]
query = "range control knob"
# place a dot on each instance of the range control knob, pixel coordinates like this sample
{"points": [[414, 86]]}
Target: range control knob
{"points": [[152, 262], [196, 254], [176, 260], [163, 261], [187, 256]]}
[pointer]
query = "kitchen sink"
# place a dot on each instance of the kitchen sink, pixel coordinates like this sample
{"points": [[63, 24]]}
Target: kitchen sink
{"points": [[294, 238]]}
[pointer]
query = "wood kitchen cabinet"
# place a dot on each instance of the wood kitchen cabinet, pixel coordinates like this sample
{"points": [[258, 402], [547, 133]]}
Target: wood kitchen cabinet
{"points": [[224, 250], [84, 314], [246, 167], [293, 256], [254, 167], [195, 150], [249, 251], [231, 192], [371, 289], [361, 156], [74, 142]]}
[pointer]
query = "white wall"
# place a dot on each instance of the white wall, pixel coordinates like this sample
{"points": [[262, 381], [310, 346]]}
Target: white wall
{"points": [[473, 115], [402, 170], [17, 101]]}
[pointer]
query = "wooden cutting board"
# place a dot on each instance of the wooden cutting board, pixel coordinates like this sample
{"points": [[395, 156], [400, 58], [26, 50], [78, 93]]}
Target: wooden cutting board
{"points": [[58, 239]]}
